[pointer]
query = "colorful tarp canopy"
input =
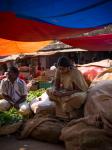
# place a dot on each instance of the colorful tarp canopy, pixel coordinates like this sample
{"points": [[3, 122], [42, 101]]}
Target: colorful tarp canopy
{"points": [[25, 19], [18, 35], [20, 29], [66, 13], [41, 20], [8, 47], [92, 43]]}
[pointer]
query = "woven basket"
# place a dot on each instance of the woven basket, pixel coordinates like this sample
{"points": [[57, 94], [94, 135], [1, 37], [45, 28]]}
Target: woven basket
{"points": [[1, 97], [9, 129]]}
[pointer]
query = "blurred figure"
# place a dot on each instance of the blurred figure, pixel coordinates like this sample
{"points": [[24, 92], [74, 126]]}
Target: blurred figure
{"points": [[52, 72], [53, 67]]}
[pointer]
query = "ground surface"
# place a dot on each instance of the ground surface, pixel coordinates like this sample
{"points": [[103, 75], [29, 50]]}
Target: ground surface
{"points": [[11, 143]]}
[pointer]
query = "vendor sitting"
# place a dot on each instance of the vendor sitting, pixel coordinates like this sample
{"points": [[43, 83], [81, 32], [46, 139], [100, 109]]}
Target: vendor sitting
{"points": [[14, 92], [69, 91]]}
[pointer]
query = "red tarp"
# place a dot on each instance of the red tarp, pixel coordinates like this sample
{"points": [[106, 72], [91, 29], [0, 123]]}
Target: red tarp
{"points": [[19, 35], [91, 43], [20, 29]]}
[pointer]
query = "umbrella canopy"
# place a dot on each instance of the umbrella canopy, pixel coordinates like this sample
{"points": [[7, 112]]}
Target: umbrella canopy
{"points": [[92, 43]]}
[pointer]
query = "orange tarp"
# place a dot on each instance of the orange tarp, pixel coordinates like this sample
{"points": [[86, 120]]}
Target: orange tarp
{"points": [[19, 35], [8, 47]]}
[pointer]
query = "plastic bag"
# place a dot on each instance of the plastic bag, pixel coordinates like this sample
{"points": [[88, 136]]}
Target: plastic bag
{"points": [[4, 105], [41, 102]]}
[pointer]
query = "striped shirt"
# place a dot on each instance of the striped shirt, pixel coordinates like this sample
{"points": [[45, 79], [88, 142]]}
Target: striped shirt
{"points": [[14, 90]]}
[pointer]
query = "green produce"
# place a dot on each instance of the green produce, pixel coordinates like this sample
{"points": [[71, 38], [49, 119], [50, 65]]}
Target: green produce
{"points": [[10, 117], [34, 94]]}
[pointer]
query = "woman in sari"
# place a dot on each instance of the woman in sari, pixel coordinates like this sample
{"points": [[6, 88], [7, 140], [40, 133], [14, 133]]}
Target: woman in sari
{"points": [[69, 91]]}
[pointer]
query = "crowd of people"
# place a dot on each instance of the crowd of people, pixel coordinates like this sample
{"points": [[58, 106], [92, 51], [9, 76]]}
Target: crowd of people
{"points": [[70, 93], [67, 81]]}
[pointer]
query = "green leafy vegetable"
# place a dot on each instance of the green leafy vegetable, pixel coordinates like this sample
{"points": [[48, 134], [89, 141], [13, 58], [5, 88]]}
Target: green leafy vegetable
{"points": [[34, 94], [10, 117]]}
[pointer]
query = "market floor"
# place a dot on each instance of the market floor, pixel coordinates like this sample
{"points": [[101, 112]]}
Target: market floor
{"points": [[11, 143]]}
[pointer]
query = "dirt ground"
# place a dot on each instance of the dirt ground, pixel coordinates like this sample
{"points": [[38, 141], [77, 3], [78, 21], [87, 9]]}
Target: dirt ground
{"points": [[11, 143]]}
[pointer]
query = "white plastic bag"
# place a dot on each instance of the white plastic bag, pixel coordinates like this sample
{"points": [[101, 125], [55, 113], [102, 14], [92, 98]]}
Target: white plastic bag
{"points": [[41, 102], [24, 108], [4, 105]]}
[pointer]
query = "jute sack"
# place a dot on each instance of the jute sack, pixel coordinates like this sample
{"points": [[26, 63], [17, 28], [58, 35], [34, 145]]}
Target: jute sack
{"points": [[48, 131], [85, 137], [43, 128]]}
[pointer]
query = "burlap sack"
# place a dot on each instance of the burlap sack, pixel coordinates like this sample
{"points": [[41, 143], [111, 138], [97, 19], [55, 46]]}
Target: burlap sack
{"points": [[43, 128], [105, 75], [48, 131], [84, 137]]}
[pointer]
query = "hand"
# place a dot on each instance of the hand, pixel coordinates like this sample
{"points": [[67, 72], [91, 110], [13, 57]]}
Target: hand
{"points": [[16, 106], [57, 93]]}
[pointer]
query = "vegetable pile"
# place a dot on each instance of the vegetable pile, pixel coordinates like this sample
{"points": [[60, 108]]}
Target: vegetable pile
{"points": [[10, 117], [33, 94]]}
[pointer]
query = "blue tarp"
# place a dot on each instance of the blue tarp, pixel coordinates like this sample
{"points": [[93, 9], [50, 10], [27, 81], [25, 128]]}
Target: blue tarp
{"points": [[65, 13]]}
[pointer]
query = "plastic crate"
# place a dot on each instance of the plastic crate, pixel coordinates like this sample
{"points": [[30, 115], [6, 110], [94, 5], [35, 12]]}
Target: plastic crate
{"points": [[45, 85]]}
